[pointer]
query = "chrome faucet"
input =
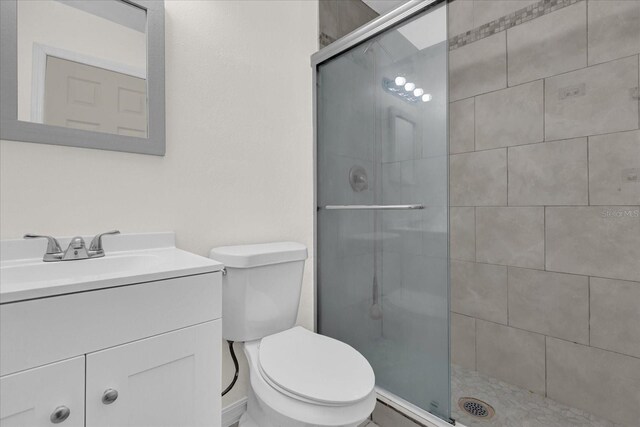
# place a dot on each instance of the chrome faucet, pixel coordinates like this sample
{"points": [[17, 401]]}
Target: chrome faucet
{"points": [[76, 250]]}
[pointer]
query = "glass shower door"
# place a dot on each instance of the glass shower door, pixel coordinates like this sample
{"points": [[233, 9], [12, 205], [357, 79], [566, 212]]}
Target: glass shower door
{"points": [[382, 196]]}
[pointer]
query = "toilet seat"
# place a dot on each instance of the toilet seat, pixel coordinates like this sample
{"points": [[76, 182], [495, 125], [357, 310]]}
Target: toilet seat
{"points": [[314, 368], [273, 406]]}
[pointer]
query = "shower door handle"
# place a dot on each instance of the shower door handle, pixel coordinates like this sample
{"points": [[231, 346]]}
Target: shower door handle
{"points": [[371, 207]]}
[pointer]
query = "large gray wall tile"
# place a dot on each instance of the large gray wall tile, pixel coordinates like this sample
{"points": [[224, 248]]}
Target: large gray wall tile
{"points": [[463, 233], [614, 160], [479, 178], [559, 45], [596, 241], [550, 173], [615, 315], [511, 355], [479, 290], [606, 105], [511, 116], [353, 14], [328, 17], [595, 380], [461, 125], [510, 236], [479, 67], [463, 341], [460, 17], [614, 29], [553, 304]]}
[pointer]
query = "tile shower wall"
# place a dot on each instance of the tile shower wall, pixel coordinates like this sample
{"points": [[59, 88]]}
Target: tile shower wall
{"points": [[339, 17], [545, 198]]}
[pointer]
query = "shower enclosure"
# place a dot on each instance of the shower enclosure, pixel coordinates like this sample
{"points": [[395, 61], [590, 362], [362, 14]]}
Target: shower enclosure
{"points": [[533, 221], [382, 220]]}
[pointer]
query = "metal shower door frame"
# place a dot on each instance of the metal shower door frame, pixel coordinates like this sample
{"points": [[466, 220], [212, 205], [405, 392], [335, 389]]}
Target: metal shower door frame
{"points": [[357, 37], [360, 35]]}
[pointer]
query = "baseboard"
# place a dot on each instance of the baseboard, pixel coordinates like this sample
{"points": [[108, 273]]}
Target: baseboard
{"points": [[231, 413]]}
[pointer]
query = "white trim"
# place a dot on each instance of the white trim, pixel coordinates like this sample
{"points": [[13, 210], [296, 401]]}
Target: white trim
{"points": [[231, 413], [39, 68], [411, 410]]}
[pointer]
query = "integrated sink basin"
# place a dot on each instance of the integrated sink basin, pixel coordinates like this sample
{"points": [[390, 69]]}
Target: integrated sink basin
{"points": [[130, 258]]}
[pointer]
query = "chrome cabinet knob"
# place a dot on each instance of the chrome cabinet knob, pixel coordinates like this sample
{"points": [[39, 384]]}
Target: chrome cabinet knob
{"points": [[60, 414], [109, 396]]}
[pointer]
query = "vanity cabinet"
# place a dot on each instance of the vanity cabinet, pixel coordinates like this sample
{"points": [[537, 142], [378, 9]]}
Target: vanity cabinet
{"points": [[146, 354]]}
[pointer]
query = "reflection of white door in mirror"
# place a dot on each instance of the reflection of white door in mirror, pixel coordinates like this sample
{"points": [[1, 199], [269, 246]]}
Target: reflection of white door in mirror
{"points": [[91, 98], [104, 42]]}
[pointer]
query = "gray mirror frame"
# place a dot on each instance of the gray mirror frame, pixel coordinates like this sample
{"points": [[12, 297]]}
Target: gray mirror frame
{"points": [[13, 129]]}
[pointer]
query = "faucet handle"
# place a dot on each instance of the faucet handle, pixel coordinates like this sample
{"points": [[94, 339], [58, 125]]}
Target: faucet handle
{"points": [[53, 247], [96, 243]]}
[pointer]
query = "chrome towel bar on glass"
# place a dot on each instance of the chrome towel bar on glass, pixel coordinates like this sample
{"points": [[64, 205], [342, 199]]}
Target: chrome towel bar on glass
{"points": [[370, 207]]}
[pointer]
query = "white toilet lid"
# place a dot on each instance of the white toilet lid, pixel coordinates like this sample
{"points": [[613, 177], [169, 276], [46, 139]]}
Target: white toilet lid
{"points": [[315, 367]]}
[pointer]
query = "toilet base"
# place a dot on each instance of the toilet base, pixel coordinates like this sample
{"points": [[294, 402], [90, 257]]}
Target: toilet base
{"points": [[269, 418]]}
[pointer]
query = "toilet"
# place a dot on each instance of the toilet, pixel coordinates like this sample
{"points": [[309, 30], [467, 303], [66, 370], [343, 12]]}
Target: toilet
{"points": [[297, 378]]}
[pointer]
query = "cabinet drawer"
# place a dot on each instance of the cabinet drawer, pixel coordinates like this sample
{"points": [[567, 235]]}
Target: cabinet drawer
{"points": [[37, 332], [29, 398]]}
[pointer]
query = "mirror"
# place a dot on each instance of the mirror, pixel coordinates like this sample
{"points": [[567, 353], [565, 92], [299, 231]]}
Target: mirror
{"points": [[86, 73]]}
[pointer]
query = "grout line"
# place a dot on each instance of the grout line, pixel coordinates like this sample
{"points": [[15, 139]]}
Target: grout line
{"points": [[544, 237], [544, 110], [588, 175], [508, 323], [545, 367], [474, 123], [543, 270], [506, 57], [589, 309], [550, 77], [499, 89], [547, 336], [85, 388], [507, 168], [539, 142], [475, 344], [587, 30], [475, 235]]}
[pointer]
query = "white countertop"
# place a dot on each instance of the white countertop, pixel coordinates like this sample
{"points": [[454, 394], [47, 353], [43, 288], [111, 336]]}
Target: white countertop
{"points": [[129, 259]]}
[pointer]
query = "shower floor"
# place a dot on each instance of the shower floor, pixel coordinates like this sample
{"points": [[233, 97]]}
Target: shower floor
{"points": [[514, 406]]}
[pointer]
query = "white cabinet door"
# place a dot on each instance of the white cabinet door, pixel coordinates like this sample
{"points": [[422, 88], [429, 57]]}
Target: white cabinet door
{"points": [[168, 380], [51, 394]]}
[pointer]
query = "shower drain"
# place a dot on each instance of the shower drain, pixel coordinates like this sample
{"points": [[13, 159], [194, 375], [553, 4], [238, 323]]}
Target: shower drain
{"points": [[476, 408]]}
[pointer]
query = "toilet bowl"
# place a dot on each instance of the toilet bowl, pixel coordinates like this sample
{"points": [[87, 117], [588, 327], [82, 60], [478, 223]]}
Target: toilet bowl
{"points": [[297, 378]]}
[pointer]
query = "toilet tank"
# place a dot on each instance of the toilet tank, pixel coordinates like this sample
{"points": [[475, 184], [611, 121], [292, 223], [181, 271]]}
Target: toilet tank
{"points": [[261, 288]]}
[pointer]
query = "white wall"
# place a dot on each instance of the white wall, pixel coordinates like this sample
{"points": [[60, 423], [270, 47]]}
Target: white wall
{"points": [[238, 167]]}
